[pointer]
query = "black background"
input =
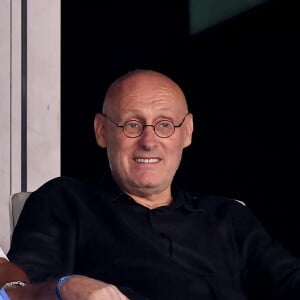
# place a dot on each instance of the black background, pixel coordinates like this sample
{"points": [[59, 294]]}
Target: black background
{"points": [[241, 81]]}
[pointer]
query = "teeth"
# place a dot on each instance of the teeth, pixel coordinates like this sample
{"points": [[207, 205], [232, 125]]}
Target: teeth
{"points": [[147, 160]]}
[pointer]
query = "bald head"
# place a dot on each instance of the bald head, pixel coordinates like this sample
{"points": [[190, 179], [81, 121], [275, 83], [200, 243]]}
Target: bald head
{"points": [[146, 83]]}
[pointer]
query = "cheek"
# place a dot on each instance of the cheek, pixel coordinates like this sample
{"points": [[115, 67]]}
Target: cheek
{"points": [[118, 149], [115, 141], [176, 145], [175, 151]]}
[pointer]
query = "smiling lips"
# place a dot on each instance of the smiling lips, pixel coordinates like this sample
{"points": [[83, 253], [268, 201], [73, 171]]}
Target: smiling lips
{"points": [[147, 160]]}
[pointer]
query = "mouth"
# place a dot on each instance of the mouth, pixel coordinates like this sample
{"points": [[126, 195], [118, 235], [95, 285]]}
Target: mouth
{"points": [[152, 160]]}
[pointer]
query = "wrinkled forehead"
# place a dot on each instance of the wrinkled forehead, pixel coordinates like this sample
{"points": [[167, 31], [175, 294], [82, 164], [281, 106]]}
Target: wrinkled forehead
{"points": [[143, 87]]}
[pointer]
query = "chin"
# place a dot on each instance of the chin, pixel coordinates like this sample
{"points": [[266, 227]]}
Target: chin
{"points": [[145, 185], [147, 181]]}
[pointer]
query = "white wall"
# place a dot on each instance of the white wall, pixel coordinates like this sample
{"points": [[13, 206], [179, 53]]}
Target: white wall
{"points": [[29, 118]]}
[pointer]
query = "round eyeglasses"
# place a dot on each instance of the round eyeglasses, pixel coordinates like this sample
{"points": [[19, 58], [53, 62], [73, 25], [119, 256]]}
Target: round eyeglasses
{"points": [[134, 128]]}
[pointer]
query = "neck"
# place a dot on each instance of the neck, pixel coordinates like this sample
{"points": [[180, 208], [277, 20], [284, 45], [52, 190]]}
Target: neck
{"points": [[152, 201]]}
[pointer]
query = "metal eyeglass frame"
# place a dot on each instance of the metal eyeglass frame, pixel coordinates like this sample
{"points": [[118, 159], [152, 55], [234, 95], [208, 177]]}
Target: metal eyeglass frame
{"points": [[145, 125]]}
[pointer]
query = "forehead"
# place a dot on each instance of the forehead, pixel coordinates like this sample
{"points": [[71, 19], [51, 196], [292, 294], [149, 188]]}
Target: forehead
{"points": [[144, 89]]}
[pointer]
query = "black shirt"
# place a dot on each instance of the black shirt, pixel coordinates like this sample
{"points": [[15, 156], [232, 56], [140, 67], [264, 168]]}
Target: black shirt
{"points": [[196, 248]]}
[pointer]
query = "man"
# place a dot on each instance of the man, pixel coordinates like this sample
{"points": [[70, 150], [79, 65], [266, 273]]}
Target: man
{"points": [[132, 233]]}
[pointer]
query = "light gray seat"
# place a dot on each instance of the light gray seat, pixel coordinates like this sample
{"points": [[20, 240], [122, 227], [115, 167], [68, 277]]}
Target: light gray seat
{"points": [[17, 202]]}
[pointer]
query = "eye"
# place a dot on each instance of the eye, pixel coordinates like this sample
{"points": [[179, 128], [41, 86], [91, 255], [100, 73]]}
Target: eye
{"points": [[164, 125], [132, 124]]}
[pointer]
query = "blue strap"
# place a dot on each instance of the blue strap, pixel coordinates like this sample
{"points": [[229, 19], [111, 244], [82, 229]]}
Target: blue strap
{"points": [[3, 295], [58, 286]]}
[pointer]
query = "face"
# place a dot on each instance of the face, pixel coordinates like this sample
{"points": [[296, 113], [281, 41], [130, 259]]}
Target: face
{"points": [[145, 165]]}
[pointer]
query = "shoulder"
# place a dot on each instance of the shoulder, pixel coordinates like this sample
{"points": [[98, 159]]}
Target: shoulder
{"points": [[60, 193], [69, 193], [60, 200], [213, 202], [65, 185], [223, 209]]}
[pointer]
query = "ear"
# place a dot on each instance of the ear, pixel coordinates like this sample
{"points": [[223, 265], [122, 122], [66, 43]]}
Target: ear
{"points": [[188, 130], [99, 129]]}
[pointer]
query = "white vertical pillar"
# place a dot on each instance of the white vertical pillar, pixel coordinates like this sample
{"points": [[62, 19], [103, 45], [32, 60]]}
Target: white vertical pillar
{"points": [[5, 117], [15, 96], [29, 101], [43, 91]]}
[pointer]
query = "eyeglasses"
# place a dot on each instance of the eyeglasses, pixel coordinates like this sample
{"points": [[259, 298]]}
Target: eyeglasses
{"points": [[134, 128]]}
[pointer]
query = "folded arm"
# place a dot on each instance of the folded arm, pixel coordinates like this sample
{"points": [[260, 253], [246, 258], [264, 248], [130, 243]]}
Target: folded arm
{"points": [[74, 288]]}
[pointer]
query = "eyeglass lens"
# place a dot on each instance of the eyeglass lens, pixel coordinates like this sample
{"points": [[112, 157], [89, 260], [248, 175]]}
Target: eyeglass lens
{"points": [[162, 128]]}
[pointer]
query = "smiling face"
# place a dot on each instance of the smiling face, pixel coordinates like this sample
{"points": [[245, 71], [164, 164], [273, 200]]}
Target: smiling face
{"points": [[144, 166]]}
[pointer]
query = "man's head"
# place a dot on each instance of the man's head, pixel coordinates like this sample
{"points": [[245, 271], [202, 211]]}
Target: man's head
{"points": [[144, 166]]}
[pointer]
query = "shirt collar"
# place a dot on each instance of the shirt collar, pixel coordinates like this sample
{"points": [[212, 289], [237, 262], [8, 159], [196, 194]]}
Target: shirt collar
{"points": [[181, 198]]}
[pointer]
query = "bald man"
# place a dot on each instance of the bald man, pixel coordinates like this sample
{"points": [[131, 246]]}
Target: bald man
{"points": [[132, 234]]}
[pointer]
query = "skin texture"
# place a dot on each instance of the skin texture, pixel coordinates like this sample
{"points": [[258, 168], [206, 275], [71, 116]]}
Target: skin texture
{"points": [[149, 97], [93, 289], [10, 272]]}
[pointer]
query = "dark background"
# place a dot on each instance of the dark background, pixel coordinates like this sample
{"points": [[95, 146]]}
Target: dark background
{"points": [[241, 81]]}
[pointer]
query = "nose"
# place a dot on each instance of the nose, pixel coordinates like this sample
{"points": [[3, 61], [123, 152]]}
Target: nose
{"points": [[148, 138]]}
